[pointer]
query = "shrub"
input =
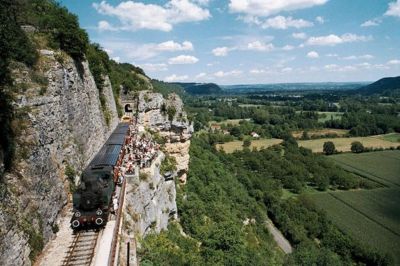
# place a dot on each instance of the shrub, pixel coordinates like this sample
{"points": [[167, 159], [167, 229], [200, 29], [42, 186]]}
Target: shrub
{"points": [[357, 147], [329, 148]]}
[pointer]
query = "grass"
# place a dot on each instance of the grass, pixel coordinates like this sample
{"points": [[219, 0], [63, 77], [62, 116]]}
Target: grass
{"points": [[326, 116], [228, 121], [370, 216], [344, 144], [359, 225], [321, 132], [383, 166], [247, 105], [237, 145], [392, 137]]}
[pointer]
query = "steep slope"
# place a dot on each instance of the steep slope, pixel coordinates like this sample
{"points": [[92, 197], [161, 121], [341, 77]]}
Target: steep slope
{"points": [[200, 88], [61, 126], [384, 85]]}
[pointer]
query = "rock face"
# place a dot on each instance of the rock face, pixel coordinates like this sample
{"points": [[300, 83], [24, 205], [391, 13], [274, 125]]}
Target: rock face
{"points": [[168, 118], [151, 198], [63, 124]]}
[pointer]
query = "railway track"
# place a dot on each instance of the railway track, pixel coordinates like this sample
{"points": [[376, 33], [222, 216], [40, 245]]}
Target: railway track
{"points": [[81, 250]]}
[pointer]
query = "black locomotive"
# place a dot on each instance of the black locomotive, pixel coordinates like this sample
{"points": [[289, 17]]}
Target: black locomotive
{"points": [[93, 199]]}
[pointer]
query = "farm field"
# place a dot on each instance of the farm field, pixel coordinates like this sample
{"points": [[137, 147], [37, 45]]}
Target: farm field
{"points": [[344, 144], [393, 137], [360, 226], [383, 166], [326, 116], [246, 105], [228, 121], [370, 216], [237, 145], [321, 132]]}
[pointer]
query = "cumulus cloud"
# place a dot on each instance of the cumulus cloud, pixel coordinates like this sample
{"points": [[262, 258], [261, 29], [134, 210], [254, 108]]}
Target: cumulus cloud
{"points": [[320, 20], [172, 46], [175, 78], [154, 67], [371, 23], [313, 54], [233, 73], [394, 62], [148, 50], [299, 35], [394, 9], [136, 15], [270, 7], [221, 51], [183, 60], [282, 23], [354, 57], [332, 39], [105, 26], [259, 46], [287, 47]]}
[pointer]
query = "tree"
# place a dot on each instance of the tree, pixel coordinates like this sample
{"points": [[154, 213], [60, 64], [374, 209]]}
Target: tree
{"points": [[357, 147], [329, 148], [246, 143]]}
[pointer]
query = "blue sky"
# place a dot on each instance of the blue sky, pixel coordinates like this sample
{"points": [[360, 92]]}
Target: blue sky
{"points": [[248, 41]]}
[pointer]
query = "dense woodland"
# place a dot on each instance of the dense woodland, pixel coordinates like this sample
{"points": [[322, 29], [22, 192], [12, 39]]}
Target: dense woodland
{"points": [[225, 190]]}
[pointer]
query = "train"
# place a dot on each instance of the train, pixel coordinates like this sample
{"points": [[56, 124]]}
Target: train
{"points": [[92, 201]]}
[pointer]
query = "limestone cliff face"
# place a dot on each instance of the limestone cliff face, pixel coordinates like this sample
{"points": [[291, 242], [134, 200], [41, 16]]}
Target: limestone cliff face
{"points": [[62, 125], [150, 197], [168, 118]]}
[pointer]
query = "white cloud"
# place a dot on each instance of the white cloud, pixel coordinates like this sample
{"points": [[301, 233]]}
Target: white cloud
{"points": [[320, 20], [172, 46], [394, 62], [200, 76], [287, 47], [105, 26], [136, 15], [154, 67], [354, 57], [175, 78], [332, 55], [117, 59], [270, 7], [282, 23], [183, 60], [148, 50], [372, 22], [259, 46], [221, 51], [299, 35], [233, 73], [332, 39], [394, 9], [313, 54]]}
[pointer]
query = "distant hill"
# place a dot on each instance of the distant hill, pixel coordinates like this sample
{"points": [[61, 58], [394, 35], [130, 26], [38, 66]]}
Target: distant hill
{"points": [[200, 88], [382, 86]]}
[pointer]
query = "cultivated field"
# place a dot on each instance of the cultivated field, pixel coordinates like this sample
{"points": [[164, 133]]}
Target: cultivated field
{"points": [[326, 116], [320, 132], [344, 144], [383, 167], [363, 226], [228, 121], [370, 216], [237, 145], [393, 137]]}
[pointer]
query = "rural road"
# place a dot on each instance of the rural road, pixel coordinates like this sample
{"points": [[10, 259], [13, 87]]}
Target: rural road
{"points": [[279, 238]]}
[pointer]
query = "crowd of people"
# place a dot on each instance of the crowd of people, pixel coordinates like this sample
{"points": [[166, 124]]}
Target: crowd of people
{"points": [[140, 150]]}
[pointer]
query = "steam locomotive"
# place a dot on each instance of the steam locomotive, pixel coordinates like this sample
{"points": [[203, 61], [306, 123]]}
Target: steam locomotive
{"points": [[93, 199]]}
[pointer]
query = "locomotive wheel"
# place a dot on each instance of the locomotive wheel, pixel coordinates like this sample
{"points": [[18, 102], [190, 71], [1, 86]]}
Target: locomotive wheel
{"points": [[99, 221], [75, 224]]}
